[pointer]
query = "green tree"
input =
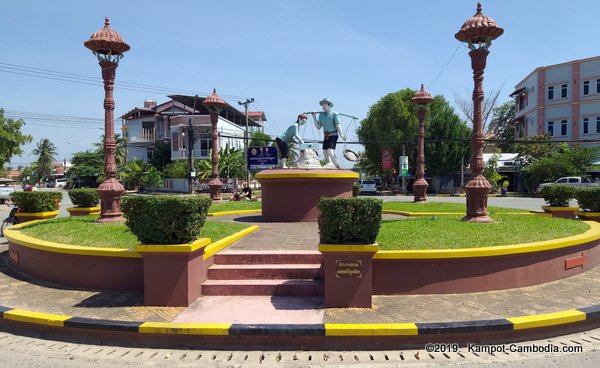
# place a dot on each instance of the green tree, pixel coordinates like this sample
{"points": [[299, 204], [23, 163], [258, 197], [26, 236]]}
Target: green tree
{"points": [[161, 155], [390, 121], [152, 178], [491, 172], [231, 162], [503, 127], [86, 167], [176, 169], [535, 148], [446, 137], [259, 139], [120, 149], [46, 152], [133, 172], [11, 138]]}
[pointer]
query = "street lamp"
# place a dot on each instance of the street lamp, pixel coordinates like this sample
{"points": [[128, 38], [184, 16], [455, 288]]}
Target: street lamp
{"points": [[109, 46], [478, 32], [245, 103], [421, 99], [214, 104]]}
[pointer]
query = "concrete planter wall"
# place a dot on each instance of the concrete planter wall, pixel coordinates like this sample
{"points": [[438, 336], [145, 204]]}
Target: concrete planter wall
{"points": [[32, 216], [561, 212], [83, 211], [590, 216]]}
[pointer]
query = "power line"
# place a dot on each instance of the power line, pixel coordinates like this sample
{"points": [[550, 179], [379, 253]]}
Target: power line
{"points": [[445, 66]]}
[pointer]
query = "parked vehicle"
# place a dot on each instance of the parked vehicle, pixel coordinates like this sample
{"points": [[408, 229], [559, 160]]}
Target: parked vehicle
{"points": [[10, 220], [57, 183], [368, 186], [5, 190], [575, 181]]}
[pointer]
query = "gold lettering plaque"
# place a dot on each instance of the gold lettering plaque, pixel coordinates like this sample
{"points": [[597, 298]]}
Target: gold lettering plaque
{"points": [[348, 269]]}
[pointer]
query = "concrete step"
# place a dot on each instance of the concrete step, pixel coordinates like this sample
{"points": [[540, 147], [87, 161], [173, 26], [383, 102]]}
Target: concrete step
{"points": [[263, 287], [263, 271], [268, 257]]}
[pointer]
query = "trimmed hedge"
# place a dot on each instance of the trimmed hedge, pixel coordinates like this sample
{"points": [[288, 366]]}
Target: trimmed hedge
{"points": [[84, 197], [349, 220], [558, 195], [37, 201], [165, 219], [589, 199]]}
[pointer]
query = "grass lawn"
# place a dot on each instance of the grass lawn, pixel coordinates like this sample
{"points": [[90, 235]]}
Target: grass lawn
{"points": [[448, 232], [442, 207], [85, 231], [223, 206]]}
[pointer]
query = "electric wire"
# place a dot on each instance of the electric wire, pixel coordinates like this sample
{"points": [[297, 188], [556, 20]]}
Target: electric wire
{"points": [[445, 66]]}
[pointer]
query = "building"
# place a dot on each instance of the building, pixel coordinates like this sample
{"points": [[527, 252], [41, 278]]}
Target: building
{"points": [[561, 100], [169, 122]]}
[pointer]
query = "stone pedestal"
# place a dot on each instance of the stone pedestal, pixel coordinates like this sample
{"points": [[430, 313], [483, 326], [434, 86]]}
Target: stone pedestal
{"points": [[294, 194], [562, 212], [173, 274], [348, 274]]}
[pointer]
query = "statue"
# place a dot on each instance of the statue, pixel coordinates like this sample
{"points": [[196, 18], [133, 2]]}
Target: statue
{"points": [[331, 130], [290, 135]]}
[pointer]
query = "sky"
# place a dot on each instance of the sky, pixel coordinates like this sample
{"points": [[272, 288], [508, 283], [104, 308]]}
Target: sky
{"points": [[285, 54]]}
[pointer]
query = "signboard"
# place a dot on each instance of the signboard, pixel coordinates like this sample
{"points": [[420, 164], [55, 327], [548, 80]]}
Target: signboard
{"points": [[260, 158], [348, 269], [403, 165], [386, 159]]}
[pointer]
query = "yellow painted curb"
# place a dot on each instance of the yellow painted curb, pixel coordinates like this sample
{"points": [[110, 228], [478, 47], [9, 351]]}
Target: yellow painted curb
{"points": [[305, 175], [591, 235], [91, 210], [548, 319], [558, 209], [240, 212], [586, 213], [40, 215], [13, 235], [342, 248], [213, 248], [35, 317], [375, 329], [215, 329], [173, 248]]}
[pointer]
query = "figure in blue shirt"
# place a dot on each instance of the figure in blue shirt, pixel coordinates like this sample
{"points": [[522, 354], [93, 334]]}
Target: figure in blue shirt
{"points": [[290, 135], [330, 123]]}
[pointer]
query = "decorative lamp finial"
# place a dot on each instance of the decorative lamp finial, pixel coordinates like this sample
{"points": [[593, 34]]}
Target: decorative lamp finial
{"points": [[478, 7], [106, 22]]}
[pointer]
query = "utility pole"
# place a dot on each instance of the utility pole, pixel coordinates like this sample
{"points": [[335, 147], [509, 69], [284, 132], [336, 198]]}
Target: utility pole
{"points": [[191, 148], [245, 103]]}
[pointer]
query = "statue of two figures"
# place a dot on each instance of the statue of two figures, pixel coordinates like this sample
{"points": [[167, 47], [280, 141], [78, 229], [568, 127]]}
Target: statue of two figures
{"points": [[328, 120]]}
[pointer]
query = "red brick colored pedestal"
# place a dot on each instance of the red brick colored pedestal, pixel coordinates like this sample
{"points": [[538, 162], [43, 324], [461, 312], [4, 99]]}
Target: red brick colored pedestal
{"points": [[293, 194], [173, 274], [348, 275]]}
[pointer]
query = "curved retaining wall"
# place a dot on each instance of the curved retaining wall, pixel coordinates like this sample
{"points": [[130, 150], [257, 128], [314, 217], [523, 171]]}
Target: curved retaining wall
{"points": [[485, 269]]}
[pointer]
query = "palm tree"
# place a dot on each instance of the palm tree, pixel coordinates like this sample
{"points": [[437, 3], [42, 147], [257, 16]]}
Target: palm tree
{"points": [[120, 150], [45, 150]]}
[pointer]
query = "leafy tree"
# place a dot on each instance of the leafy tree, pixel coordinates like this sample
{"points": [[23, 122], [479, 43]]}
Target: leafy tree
{"points": [[176, 169], [46, 152], [565, 161], [446, 137], [491, 172], [86, 167], [502, 126], [466, 106], [152, 178], [258, 139], [390, 121], [537, 147], [11, 138], [231, 162], [161, 155]]}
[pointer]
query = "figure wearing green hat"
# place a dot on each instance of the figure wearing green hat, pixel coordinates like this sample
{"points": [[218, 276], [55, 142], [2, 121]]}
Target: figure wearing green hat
{"points": [[330, 123]]}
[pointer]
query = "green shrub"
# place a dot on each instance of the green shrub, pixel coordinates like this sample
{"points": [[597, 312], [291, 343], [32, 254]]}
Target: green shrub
{"points": [[84, 197], [558, 195], [165, 219], [349, 220], [589, 199], [37, 201], [355, 189]]}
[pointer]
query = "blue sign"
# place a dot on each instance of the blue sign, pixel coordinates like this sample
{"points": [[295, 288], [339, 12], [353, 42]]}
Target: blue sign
{"points": [[260, 158]]}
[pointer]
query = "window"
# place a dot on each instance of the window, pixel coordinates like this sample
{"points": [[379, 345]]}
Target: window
{"points": [[563, 91], [573, 180], [586, 125], [597, 85], [597, 124], [149, 152], [562, 181], [551, 93], [563, 127], [586, 180], [551, 128], [586, 87]]}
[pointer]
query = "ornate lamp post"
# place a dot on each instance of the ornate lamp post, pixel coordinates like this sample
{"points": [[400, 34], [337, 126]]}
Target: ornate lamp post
{"points": [[478, 32], [421, 99], [109, 46], [214, 104]]}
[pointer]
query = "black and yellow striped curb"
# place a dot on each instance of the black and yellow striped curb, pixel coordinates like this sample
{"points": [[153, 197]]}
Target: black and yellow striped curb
{"points": [[563, 318]]}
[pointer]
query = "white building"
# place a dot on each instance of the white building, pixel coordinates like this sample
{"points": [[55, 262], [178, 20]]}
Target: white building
{"points": [[561, 100], [170, 122]]}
